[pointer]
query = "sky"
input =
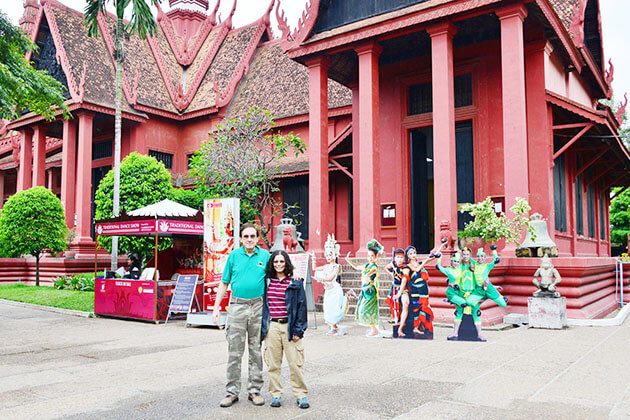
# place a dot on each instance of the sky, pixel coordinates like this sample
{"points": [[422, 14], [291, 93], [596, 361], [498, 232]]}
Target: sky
{"points": [[614, 15]]}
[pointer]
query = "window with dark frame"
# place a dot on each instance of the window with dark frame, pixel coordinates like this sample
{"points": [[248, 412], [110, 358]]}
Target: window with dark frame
{"points": [[165, 158], [560, 194], [102, 149], [295, 192], [579, 211], [590, 210], [420, 96]]}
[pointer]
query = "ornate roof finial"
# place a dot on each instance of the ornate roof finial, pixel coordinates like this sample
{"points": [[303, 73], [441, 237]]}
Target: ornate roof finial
{"points": [[610, 73], [283, 24], [577, 23], [213, 15], [267, 16], [622, 109], [228, 21], [27, 22]]}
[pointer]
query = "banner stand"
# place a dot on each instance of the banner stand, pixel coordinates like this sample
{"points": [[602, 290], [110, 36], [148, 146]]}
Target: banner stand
{"points": [[302, 269]]}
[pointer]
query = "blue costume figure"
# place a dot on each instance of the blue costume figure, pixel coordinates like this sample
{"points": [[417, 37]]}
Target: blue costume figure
{"points": [[398, 297], [419, 295]]}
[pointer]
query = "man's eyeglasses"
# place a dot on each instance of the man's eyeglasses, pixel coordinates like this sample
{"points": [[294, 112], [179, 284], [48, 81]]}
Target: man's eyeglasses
{"points": [[249, 236]]}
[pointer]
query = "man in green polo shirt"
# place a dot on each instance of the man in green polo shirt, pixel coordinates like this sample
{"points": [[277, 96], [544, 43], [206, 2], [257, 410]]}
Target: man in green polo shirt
{"points": [[245, 273]]}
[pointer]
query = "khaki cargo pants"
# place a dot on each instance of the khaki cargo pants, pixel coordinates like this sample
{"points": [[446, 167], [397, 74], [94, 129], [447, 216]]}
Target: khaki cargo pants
{"points": [[244, 321], [276, 343]]}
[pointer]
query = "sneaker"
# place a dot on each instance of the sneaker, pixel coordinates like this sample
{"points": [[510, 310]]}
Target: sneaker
{"points": [[276, 402], [256, 399], [303, 402], [228, 400]]}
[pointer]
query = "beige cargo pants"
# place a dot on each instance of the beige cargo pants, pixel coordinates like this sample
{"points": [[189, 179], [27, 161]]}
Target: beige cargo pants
{"points": [[278, 343]]}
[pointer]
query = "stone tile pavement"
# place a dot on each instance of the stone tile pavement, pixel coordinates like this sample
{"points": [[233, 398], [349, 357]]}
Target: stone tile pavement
{"points": [[54, 365]]}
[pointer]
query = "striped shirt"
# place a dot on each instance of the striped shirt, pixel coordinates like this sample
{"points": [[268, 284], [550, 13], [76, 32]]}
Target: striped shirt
{"points": [[276, 297]]}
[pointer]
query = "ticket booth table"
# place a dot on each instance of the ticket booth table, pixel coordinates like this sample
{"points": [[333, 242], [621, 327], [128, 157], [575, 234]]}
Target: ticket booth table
{"points": [[148, 298]]}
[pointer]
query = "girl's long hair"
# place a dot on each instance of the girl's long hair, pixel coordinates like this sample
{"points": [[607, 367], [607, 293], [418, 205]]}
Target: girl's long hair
{"points": [[270, 272]]}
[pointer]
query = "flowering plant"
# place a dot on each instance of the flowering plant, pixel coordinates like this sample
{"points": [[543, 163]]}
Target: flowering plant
{"points": [[491, 227]]}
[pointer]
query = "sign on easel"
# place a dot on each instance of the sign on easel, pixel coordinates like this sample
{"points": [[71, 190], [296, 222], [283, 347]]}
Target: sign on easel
{"points": [[183, 295], [302, 270]]}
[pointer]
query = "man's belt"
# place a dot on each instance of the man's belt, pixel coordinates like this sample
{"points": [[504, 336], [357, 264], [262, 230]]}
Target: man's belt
{"points": [[245, 301], [280, 320]]}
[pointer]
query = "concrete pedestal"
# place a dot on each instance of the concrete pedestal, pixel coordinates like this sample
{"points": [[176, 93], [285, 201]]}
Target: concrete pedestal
{"points": [[547, 312]]}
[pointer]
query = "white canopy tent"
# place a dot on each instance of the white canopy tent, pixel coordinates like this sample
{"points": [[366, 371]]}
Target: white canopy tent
{"points": [[165, 208]]}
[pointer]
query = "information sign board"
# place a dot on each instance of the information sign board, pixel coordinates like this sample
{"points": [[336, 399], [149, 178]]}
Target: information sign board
{"points": [[183, 294]]}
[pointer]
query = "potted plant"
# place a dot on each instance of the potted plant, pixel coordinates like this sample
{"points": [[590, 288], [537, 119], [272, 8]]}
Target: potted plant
{"points": [[489, 227]]}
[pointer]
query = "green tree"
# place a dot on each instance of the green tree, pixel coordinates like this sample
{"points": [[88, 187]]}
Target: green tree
{"points": [[141, 23], [31, 222], [240, 159], [190, 198], [143, 181], [620, 217], [21, 86]]}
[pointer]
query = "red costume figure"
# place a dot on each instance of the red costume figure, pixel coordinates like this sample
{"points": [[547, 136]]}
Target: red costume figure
{"points": [[398, 298]]}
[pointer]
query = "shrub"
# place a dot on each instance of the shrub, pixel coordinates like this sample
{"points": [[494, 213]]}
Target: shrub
{"points": [[83, 282], [31, 222]]}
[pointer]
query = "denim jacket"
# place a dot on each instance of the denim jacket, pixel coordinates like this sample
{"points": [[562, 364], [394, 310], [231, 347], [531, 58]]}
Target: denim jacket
{"points": [[296, 310]]}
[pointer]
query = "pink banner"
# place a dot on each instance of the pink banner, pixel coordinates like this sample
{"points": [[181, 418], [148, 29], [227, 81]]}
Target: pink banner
{"points": [[146, 227], [125, 298]]}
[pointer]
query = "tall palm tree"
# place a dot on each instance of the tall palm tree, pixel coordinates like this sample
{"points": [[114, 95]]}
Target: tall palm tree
{"points": [[143, 24]]}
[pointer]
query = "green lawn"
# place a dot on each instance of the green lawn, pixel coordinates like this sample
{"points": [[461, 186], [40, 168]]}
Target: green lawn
{"points": [[49, 296]]}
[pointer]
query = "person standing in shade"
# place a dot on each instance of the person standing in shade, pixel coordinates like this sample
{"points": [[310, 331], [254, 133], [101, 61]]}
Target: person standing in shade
{"points": [[283, 326], [245, 273]]}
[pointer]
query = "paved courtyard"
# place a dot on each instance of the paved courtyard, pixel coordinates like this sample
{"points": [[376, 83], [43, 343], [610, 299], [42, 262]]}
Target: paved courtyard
{"points": [[54, 365]]}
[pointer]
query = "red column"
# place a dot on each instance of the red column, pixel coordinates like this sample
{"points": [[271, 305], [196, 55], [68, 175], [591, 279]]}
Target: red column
{"points": [[514, 103], [84, 178], [69, 169], [318, 211], [368, 152], [539, 134], [444, 154], [356, 175], [514, 106], [39, 156], [26, 165]]}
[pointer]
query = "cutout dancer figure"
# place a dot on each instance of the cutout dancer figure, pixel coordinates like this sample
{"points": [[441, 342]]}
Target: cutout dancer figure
{"points": [[335, 303], [398, 298], [367, 312], [419, 295]]}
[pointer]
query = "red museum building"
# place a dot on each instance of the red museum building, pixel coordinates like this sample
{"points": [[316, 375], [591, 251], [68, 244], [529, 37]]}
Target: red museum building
{"points": [[408, 107]]}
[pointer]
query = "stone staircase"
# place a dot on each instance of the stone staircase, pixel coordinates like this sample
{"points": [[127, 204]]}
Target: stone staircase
{"points": [[351, 279]]}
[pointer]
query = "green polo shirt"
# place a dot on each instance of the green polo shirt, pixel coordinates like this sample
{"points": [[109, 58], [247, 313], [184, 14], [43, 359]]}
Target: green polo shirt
{"points": [[246, 273]]}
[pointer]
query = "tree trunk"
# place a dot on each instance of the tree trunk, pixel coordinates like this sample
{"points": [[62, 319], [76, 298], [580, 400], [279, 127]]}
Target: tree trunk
{"points": [[119, 55], [37, 269]]}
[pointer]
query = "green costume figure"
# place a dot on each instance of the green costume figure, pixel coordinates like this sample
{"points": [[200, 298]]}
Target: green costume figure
{"points": [[461, 286], [367, 304], [485, 289], [367, 311]]}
